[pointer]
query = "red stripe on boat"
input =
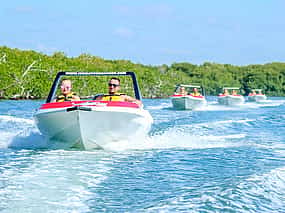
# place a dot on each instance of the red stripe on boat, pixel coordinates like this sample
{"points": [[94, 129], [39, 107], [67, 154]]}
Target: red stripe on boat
{"points": [[177, 95], [89, 103], [197, 96]]}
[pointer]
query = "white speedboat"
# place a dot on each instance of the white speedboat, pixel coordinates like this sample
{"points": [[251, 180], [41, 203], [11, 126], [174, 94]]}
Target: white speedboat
{"points": [[230, 97], [185, 100], [91, 124], [256, 97], [230, 100]]}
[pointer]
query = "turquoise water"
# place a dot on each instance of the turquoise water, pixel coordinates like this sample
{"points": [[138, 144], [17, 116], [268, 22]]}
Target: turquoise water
{"points": [[218, 159]]}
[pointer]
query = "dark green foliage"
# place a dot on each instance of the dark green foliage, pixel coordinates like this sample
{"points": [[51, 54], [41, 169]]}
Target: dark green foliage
{"points": [[28, 74]]}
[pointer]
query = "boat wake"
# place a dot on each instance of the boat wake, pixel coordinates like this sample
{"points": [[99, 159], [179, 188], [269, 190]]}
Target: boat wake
{"points": [[12, 119], [179, 137], [270, 186], [165, 135], [11, 126], [160, 106], [28, 139], [258, 193], [215, 106], [185, 137]]}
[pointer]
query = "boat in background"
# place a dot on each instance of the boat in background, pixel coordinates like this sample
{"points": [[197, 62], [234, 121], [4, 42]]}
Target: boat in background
{"points": [[230, 97], [91, 124], [186, 99], [256, 97]]}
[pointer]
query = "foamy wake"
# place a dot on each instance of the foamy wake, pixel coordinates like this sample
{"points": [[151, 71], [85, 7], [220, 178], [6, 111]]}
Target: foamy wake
{"points": [[173, 139], [215, 106], [161, 106], [68, 189], [188, 136], [29, 138], [7, 118], [262, 193], [225, 122], [12, 127], [193, 136], [259, 193]]}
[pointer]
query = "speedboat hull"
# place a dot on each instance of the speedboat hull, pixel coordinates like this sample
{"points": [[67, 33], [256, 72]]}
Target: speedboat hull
{"points": [[91, 124], [188, 102], [257, 98], [231, 100]]}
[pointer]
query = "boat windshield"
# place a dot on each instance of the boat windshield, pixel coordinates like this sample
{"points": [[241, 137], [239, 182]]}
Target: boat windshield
{"points": [[86, 87], [188, 90], [231, 91]]}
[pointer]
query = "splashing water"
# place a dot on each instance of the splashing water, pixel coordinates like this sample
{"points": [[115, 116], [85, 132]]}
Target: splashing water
{"points": [[218, 159]]}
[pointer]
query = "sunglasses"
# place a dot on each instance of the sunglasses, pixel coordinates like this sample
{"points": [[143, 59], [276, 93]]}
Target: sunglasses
{"points": [[65, 87], [113, 85]]}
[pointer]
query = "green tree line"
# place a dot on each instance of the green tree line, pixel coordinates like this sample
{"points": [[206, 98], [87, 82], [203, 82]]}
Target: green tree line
{"points": [[29, 74]]}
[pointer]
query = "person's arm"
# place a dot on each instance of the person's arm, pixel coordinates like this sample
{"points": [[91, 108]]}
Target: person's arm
{"points": [[75, 98], [131, 99], [98, 97]]}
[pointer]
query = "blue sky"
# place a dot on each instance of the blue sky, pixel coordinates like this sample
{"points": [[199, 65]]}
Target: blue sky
{"points": [[151, 32]]}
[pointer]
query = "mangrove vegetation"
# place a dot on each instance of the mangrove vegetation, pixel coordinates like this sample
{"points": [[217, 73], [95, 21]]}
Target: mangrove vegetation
{"points": [[29, 74]]}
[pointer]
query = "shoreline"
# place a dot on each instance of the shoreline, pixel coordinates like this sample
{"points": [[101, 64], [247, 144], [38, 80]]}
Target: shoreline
{"points": [[84, 98]]}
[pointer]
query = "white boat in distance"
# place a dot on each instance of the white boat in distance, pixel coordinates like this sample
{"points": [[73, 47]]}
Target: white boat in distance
{"points": [[91, 124], [230, 97], [256, 97], [184, 99]]}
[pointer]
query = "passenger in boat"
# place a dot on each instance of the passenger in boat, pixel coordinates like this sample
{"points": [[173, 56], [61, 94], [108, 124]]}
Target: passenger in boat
{"points": [[114, 95], [195, 92], [234, 92], [226, 92], [66, 94], [182, 91], [252, 93]]}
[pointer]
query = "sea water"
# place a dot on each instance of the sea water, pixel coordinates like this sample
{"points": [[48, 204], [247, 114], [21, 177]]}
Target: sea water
{"points": [[216, 159]]}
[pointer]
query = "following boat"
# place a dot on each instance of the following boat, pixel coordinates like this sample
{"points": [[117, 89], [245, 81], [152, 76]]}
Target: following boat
{"points": [[91, 124], [230, 97], [256, 95], [188, 97]]}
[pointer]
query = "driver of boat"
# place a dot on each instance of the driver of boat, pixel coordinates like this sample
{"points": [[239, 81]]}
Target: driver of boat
{"points": [[66, 94], [114, 95], [195, 92]]}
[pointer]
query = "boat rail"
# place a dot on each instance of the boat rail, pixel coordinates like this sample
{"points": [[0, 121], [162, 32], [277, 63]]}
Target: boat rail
{"points": [[59, 75]]}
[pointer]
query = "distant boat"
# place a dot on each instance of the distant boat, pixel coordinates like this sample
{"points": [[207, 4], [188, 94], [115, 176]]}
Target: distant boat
{"points": [[256, 97], [188, 97], [230, 97]]}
